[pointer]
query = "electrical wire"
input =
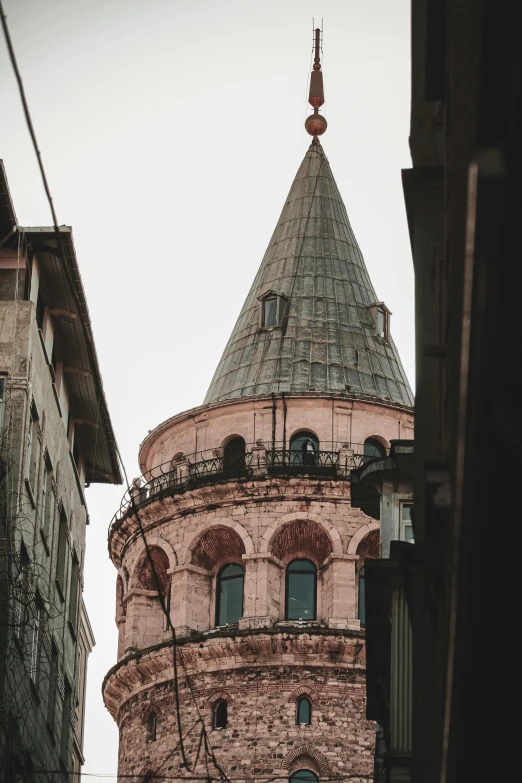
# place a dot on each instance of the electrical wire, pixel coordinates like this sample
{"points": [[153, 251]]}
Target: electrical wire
{"points": [[32, 133], [28, 120], [181, 744]]}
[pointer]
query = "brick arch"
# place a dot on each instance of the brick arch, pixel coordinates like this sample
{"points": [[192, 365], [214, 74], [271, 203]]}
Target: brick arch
{"points": [[300, 758], [246, 545], [301, 539], [144, 575], [303, 690], [358, 536], [218, 696], [304, 516], [369, 546], [380, 438], [162, 543]]}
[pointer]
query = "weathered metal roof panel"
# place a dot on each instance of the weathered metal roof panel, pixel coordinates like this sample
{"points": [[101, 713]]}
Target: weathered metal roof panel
{"points": [[326, 341]]}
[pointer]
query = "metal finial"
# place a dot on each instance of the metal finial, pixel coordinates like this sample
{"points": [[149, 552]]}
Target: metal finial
{"points": [[316, 124]]}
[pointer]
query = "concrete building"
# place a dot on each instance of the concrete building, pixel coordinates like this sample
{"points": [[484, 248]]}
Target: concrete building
{"points": [[461, 575], [383, 489], [56, 438], [254, 547]]}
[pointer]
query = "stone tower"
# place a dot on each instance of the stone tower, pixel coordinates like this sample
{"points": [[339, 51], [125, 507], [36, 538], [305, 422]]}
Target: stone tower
{"points": [[254, 548]]}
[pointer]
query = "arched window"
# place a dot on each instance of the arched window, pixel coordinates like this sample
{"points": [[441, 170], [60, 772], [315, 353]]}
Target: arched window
{"points": [[373, 448], [152, 722], [304, 711], [301, 589], [234, 456], [220, 715], [229, 604], [304, 776], [362, 605], [303, 448]]}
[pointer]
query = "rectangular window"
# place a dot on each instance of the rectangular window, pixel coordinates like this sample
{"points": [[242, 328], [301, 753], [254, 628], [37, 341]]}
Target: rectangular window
{"points": [[381, 323], [21, 593], [36, 638], [270, 311], [31, 461], [53, 686], [406, 533], [66, 723], [74, 586], [46, 501], [62, 553]]}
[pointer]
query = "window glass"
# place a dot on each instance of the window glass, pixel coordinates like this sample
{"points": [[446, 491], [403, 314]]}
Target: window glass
{"points": [[406, 522], [301, 577], [381, 323], [270, 311], [362, 604], [221, 715], [230, 595], [304, 711], [304, 776], [303, 449], [373, 448], [234, 455]]}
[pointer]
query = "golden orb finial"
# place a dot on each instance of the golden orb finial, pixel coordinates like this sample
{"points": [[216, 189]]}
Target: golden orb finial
{"points": [[316, 124]]}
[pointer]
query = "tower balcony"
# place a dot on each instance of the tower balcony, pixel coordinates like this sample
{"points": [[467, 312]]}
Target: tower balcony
{"points": [[256, 463]]}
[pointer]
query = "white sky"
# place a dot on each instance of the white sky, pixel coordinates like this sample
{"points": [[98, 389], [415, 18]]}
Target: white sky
{"points": [[171, 132]]}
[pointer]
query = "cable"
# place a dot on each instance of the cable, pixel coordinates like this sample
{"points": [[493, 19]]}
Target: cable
{"points": [[28, 120], [208, 748]]}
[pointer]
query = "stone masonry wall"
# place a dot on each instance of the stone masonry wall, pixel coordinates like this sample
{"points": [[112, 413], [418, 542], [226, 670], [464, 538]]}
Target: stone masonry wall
{"points": [[262, 737]]}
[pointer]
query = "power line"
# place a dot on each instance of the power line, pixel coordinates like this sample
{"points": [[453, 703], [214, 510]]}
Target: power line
{"points": [[27, 114], [208, 749]]}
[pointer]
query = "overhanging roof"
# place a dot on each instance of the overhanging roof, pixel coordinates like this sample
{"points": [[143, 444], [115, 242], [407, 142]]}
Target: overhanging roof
{"points": [[62, 289]]}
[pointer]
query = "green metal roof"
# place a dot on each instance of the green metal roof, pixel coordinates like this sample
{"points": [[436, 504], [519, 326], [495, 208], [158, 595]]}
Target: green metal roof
{"points": [[326, 339]]}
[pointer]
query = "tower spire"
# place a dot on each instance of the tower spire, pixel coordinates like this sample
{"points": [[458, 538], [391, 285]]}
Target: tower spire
{"points": [[316, 124]]}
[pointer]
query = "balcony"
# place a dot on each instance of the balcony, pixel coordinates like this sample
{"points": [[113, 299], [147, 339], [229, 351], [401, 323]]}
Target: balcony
{"points": [[211, 466]]}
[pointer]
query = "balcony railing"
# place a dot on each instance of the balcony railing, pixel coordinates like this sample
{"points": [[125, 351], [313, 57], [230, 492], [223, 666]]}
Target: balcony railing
{"points": [[192, 470]]}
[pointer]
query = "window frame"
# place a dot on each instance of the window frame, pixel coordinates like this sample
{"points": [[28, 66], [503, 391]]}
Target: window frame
{"points": [[219, 579], [403, 524], [287, 594], [294, 779], [373, 441], [281, 305], [219, 706], [303, 698]]}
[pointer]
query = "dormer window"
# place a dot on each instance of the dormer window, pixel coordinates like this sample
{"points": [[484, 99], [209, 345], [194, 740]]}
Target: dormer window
{"points": [[381, 319], [273, 307], [270, 311], [381, 323]]}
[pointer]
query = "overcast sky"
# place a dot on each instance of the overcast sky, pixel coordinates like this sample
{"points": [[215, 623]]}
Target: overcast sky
{"points": [[171, 131]]}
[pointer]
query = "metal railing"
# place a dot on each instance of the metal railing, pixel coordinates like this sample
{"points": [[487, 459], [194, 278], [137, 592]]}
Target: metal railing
{"points": [[192, 470], [316, 462]]}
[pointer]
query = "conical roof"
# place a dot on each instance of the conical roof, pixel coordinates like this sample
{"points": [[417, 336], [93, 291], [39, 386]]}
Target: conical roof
{"points": [[326, 341]]}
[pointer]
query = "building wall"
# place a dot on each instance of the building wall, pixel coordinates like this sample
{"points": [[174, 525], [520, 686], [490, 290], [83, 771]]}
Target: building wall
{"points": [[333, 420], [41, 658]]}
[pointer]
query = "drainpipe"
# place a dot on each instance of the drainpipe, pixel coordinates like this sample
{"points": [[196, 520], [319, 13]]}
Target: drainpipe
{"points": [[273, 421], [284, 425]]}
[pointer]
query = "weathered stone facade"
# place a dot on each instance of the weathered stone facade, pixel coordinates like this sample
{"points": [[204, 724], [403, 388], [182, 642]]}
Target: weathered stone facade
{"points": [[261, 665]]}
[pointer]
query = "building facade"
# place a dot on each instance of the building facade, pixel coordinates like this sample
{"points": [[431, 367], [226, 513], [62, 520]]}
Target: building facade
{"points": [[253, 546], [383, 489], [56, 437]]}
